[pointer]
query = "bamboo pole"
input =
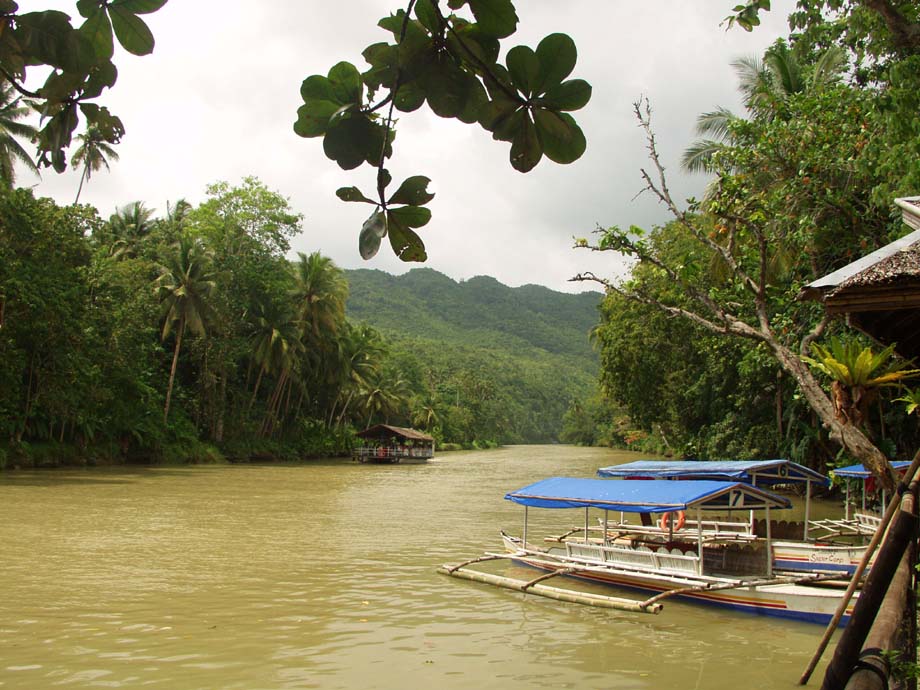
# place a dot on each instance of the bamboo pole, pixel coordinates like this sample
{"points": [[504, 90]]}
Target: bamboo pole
{"points": [[570, 596], [857, 575], [884, 633], [903, 530]]}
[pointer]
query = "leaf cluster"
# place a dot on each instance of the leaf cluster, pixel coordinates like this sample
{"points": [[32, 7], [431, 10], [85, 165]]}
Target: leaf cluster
{"points": [[80, 60], [451, 63]]}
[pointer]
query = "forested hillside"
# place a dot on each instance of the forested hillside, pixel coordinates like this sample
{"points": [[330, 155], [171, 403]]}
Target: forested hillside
{"points": [[501, 364], [480, 311]]}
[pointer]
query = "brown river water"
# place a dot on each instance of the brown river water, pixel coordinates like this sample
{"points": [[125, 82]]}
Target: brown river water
{"points": [[322, 575]]}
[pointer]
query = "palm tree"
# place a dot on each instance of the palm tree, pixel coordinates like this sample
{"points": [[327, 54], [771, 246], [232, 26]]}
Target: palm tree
{"points": [[319, 293], [13, 109], [274, 337], [362, 352], [128, 227], [764, 86], [185, 287], [91, 154]]}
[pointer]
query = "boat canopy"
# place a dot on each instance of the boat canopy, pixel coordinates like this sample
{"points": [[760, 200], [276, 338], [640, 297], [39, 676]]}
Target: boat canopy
{"points": [[756, 472], [645, 497], [860, 471]]}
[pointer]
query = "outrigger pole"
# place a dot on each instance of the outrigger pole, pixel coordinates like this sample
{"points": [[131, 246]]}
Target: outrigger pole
{"points": [[534, 587]]}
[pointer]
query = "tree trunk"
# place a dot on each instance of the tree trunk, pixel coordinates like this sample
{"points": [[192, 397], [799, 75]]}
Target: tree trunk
{"points": [[80, 188], [255, 391], [221, 407], [172, 371], [847, 435]]}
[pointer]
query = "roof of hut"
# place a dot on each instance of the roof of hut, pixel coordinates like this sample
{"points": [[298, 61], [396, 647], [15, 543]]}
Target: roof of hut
{"points": [[880, 293], [387, 431]]}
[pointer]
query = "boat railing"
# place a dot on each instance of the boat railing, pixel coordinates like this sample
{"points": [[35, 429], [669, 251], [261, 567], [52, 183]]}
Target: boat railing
{"points": [[392, 453], [711, 528], [644, 557]]}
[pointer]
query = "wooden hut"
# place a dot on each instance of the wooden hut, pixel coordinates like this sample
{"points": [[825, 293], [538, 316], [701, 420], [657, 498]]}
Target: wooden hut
{"points": [[385, 443], [880, 293]]}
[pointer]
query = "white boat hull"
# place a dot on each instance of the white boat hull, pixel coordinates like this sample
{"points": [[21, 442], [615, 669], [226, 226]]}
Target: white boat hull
{"points": [[814, 603]]}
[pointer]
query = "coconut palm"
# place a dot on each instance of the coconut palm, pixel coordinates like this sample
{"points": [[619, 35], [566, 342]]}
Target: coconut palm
{"points": [[764, 85], [93, 154], [13, 109], [319, 294], [362, 352], [274, 337], [185, 286], [128, 227]]}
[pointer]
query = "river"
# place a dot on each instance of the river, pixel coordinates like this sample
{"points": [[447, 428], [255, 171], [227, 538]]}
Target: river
{"points": [[322, 575]]}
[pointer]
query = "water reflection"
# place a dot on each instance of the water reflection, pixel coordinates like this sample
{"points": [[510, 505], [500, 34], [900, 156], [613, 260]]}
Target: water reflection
{"points": [[323, 576]]}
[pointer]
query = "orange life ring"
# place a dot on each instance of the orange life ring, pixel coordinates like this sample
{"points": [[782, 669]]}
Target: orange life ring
{"points": [[666, 518]]}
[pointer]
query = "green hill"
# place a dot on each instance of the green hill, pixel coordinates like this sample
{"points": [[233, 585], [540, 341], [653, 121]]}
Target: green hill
{"points": [[478, 312], [508, 362]]}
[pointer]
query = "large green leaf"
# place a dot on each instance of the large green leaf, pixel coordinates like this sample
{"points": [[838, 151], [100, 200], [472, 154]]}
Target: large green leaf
{"points": [[495, 17], [526, 150], [345, 80], [413, 191], [409, 97], [313, 118], [49, 38], [409, 216], [557, 54], [98, 31], [524, 68], [407, 245], [427, 15], [372, 231], [132, 33], [569, 95], [352, 194], [101, 77], [562, 139], [318, 87], [351, 141]]}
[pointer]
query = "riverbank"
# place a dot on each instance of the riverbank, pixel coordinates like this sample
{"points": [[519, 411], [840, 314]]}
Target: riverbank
{"points": [[55, 455]]}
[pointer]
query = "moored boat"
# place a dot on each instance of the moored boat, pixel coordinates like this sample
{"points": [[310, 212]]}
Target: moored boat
{"points": [[796, 547], [704, 568]]}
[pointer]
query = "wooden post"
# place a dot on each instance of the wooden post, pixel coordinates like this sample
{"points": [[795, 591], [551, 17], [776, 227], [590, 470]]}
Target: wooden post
{"points": [[699, 540], [902, 531], [524, 535], [860, 569], [885, 633], [769, 546], [807, 507]]}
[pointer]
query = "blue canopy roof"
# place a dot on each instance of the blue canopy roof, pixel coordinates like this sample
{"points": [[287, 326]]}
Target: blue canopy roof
{"points": [[645, 497], [860, 472], [759, 472]]}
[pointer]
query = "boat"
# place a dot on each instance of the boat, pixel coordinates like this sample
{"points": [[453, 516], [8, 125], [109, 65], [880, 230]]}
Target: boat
{"points": [[797, 546], [712, 569], [861, 523], [387, 444]]}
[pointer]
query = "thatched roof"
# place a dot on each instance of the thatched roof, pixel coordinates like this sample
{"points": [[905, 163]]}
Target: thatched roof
{"points": [[880, 293], [383, 431]]}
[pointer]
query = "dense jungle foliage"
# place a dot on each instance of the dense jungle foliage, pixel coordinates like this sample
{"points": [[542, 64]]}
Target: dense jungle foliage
{"points": [[193, 337], [700, 345]]}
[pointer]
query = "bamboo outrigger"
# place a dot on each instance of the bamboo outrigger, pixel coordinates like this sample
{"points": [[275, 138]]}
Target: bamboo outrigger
{"points": [[709, 570]]}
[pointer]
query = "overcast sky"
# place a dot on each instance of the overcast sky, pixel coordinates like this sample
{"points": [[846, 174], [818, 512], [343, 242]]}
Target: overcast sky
{"points": [[218, 97]]}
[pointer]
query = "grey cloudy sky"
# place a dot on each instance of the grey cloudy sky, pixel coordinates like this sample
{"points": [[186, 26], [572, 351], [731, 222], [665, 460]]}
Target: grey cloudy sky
{"points": [[217, 99]]}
